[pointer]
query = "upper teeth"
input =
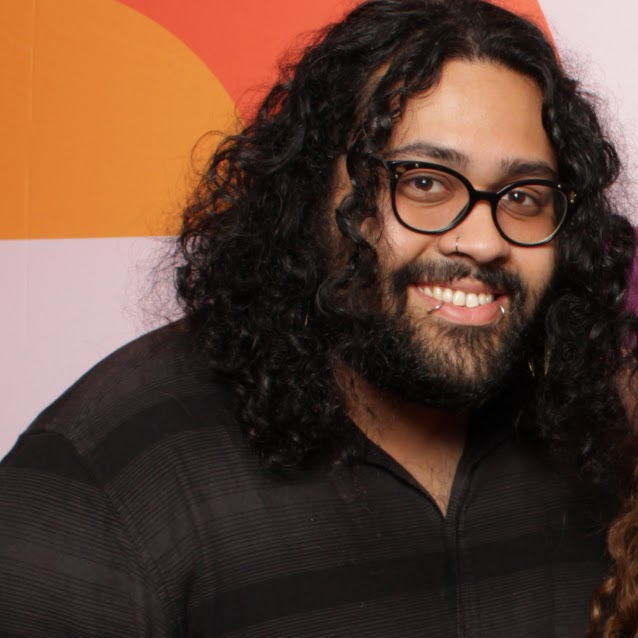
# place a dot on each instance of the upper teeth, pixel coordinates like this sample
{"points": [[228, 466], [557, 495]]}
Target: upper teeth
{"points": [[457, 297]]}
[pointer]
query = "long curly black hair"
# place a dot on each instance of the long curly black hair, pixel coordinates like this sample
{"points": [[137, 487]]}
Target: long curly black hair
{"points": [[258, 263]]}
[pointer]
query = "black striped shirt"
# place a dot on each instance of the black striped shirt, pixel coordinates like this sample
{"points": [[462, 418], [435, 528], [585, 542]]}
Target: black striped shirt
{"points": [[133, 507]]}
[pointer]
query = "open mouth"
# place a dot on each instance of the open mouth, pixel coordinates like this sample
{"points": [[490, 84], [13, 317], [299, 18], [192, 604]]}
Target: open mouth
{"points": [[458, 297]]}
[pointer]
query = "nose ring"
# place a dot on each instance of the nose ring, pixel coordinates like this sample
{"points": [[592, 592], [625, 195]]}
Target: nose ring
{"points": [[456, 245]]}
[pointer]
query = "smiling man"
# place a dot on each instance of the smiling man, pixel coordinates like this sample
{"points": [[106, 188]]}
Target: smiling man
{"points": [[463, 269], [391, 408]]}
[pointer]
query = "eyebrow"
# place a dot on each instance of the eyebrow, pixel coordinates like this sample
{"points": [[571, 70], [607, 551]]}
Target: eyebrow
{"points": [[527, 168], [433, 151], [510, 169]]}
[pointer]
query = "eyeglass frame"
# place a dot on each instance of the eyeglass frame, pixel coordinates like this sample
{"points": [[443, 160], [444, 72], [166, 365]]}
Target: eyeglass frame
{"points": [[492, 197]]}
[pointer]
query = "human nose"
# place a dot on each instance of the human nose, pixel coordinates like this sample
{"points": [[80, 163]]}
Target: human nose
{"points": [[476, 237]]}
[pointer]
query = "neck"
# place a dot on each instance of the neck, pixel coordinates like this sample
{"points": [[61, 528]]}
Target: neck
{"points": [[426, 441]]}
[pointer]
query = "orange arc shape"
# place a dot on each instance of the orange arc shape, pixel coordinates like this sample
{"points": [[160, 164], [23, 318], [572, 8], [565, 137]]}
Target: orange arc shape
{"points": [[89, 86], [529, 9], [101, 109], [241, 41]]}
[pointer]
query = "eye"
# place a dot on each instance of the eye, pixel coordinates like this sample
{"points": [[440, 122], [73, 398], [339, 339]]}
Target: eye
{"points": [[426, 187], [521, 198], [525, 202], [426, 183]]}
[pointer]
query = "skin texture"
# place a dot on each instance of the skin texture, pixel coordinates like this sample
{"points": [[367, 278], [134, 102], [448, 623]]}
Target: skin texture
{"points": [[483, 120]]}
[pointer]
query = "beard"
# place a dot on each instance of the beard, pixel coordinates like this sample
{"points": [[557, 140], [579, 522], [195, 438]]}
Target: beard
{"points": [[425, 360]]}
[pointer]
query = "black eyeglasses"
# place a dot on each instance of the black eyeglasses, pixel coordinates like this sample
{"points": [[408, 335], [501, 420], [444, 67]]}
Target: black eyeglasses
{"points": [[429, 198]]}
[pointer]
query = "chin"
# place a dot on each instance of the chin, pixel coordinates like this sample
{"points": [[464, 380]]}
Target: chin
{"points": [[447, 365]]}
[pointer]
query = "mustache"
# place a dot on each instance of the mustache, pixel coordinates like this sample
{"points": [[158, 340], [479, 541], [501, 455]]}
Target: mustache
{"points": [[505, 281]]}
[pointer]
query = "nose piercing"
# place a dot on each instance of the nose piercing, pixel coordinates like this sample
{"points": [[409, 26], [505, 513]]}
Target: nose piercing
{"points": [[456, 245]]}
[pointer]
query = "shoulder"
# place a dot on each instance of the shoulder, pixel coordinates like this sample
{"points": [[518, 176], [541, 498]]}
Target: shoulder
{"points": [[145, 422], [106, 478], [148, 388]]}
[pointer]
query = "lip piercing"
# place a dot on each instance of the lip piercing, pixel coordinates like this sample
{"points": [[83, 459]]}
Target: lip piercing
{"points": [[456, 245], [502, 311]]}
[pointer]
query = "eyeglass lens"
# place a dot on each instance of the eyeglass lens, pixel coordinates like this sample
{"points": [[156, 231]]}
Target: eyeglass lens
{"points": [[429, 200]]}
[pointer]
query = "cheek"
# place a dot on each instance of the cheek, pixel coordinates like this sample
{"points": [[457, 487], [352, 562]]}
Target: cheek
{"points": [[536, 266], [395, 244], [395, 249]]}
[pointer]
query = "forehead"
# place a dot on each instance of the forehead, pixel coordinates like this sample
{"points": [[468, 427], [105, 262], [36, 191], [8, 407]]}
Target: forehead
{"points": [[483, 114]]}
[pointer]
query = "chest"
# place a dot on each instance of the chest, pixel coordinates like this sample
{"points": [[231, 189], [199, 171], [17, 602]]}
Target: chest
{"points": [[515, 556]]}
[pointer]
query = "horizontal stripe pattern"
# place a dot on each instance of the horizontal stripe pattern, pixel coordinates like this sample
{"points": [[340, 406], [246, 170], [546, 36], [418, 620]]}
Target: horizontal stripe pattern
{"points": [[132, 506]]}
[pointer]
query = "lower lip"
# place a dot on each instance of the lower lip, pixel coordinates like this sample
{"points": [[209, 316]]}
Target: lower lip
{"points": [[482, 315]]}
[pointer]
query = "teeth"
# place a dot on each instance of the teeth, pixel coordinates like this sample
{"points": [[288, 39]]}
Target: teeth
{"points": [[457, 297], [471, 300]]}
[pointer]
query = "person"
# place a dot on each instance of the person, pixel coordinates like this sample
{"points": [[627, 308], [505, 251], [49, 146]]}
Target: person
{"points": [[392, 405], [614, 612]]}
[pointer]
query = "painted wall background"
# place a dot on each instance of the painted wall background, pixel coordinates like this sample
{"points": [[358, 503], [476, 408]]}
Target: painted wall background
{"points": [[103, 103]]}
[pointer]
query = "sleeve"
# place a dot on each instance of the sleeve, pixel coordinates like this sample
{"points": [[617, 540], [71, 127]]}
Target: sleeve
{"points": [[68, 566]]}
